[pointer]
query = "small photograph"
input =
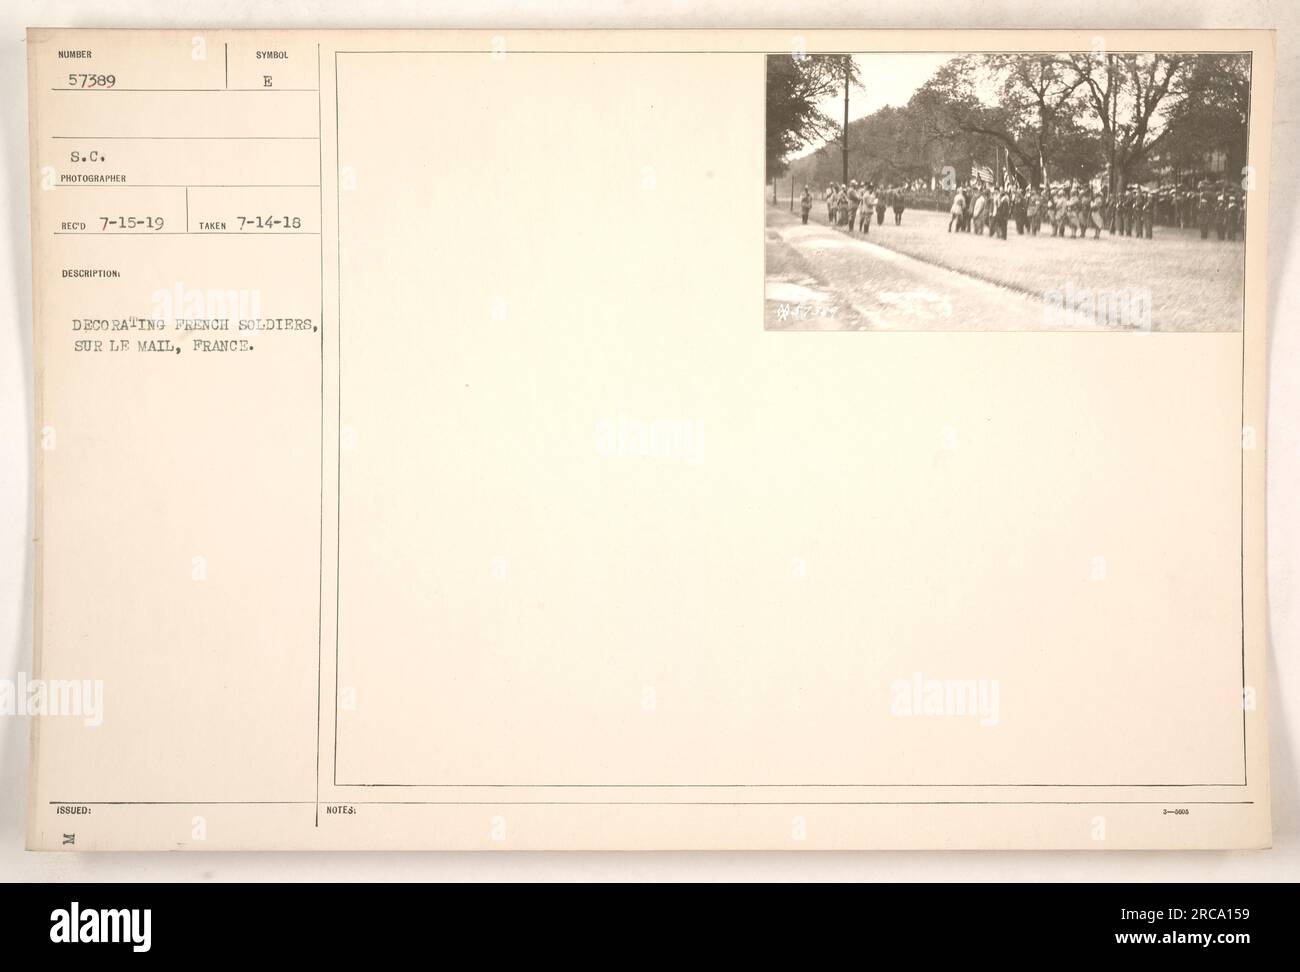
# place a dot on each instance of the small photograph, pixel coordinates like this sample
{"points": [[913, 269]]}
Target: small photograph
{"points": [[1007, 192]]}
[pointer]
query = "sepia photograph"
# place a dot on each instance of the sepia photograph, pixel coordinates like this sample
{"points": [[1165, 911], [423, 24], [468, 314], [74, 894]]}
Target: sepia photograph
{"points": [[1083, 190]]}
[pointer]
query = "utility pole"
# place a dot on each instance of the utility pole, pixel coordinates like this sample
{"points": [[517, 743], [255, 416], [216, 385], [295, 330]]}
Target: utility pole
{"points": [[844, 139]]}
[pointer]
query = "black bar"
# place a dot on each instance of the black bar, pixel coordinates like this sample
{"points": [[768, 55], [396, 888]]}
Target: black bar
{"points": [[628, 924]]}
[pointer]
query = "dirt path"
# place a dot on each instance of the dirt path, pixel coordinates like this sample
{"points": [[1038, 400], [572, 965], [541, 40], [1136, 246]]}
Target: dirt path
{"points": [[820, 278]]}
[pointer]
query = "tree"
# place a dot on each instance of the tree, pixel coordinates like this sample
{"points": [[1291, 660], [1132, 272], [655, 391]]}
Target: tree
{"points": [[1039, 92], [949, 110], [1211, 116], [1057, 116], [1124, 93], [796, 86]]}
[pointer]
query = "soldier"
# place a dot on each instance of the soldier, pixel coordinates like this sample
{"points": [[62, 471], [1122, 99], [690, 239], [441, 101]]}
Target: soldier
{"points": [[1204, 211], [868, 201], [1096, 213], [852, 202], [829, 195], [1034, 211], [978, 211], [899, 204], [957, 211], [1020, 211], [1233, 218], [805, 204], [1073, 212], [880, 207], [994, 213]]}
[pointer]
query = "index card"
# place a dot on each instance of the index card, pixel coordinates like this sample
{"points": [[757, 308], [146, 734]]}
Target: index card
{"points": [[684, 439]]}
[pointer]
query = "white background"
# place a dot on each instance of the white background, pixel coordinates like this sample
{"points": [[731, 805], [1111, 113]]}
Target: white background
{"points": [[16, 446]]}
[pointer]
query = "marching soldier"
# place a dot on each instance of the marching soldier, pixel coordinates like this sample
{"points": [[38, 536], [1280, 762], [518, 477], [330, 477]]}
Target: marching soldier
{"points": [[1205, 212], [957, 211], [978, 211], [1234, 214], [899, 204], [998, 204], [1080, 214], [1096, 214], [868, 202], [853, 201], [805, 204], [1034, 212]]}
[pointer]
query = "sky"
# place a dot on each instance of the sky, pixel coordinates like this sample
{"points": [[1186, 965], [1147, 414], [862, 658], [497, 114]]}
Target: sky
{"points": [[888, 79]]}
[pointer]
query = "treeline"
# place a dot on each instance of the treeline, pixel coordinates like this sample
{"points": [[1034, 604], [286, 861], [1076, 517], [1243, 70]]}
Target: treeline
{"points": [[1033, 118]]}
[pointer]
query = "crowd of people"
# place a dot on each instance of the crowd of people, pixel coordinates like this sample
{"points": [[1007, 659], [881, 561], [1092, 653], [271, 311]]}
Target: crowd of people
{"points": [[977, 207]]}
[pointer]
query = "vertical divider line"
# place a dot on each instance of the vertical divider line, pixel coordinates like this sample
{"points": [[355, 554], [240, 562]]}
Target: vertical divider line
{"points": [[320, 549]]}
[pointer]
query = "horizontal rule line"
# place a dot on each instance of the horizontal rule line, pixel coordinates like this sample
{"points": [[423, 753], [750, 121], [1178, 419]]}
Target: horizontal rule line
{"points": [[148, 233], [182, 803], [182, 185], [778, 786], [182, 138], [183, 90], [646, 803], [502, 54]]}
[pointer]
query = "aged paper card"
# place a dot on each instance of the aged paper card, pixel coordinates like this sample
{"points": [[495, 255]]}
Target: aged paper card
{"points": [[738, 439]]}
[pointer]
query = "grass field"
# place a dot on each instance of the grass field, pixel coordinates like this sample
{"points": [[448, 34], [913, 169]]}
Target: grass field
{"points": [[1194, 284]]}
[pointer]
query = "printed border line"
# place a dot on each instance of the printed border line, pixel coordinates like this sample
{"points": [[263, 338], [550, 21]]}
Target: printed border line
{"points": [[641, 803], [338, 470], [320, 549]]}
